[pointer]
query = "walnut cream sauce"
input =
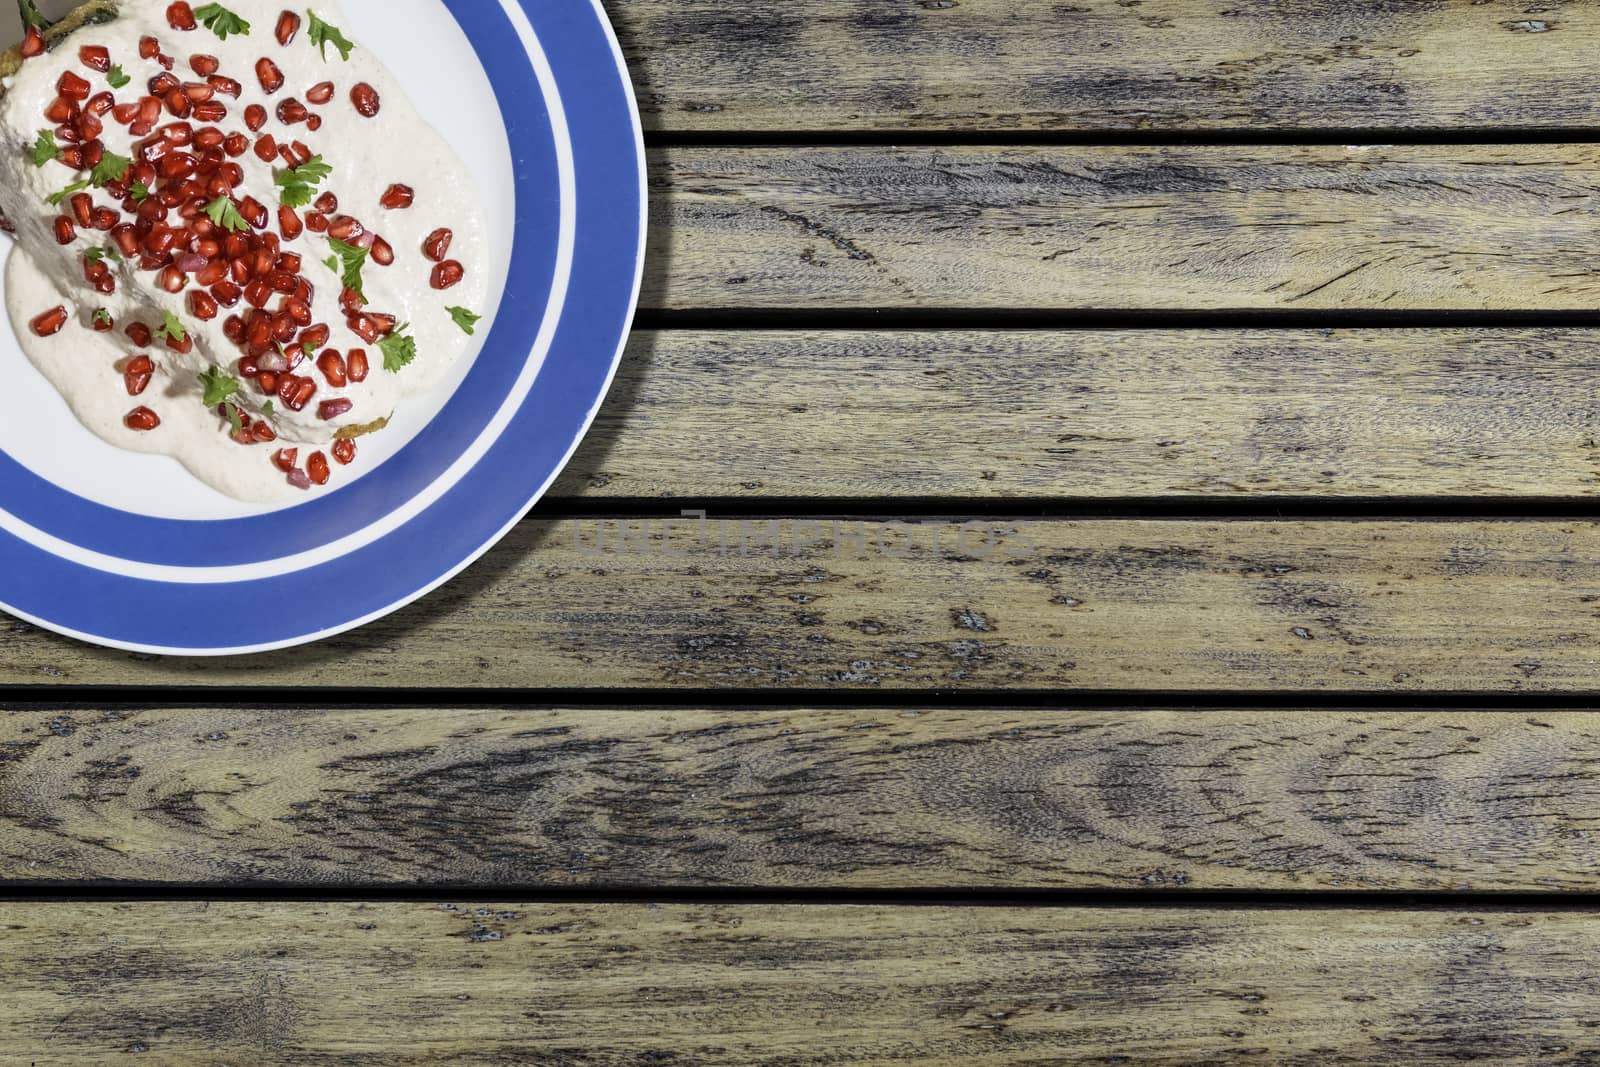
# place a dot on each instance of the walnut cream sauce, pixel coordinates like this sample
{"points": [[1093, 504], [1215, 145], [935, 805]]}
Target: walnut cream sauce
{"points": [[193, 302]]}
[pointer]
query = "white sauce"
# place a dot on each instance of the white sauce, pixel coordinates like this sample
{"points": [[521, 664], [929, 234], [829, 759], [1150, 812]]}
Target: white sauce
{"points": [[367, 156]]}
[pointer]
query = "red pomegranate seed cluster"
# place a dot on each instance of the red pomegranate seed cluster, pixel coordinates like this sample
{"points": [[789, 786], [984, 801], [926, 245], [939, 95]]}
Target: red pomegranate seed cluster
{"points": [[181, 177]]}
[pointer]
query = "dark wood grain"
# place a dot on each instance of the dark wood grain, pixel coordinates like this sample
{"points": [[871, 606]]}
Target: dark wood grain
{"points": [[479, 982], [886, 415], [902, 799], [1213, 227], [984, 605], [1000, 65]]}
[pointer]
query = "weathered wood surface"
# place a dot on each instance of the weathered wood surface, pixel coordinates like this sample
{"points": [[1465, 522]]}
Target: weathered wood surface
{"points": [[998, 65], [1496, 227], [486, 983], [1097, 413], [1103, 604], [857, 799]]}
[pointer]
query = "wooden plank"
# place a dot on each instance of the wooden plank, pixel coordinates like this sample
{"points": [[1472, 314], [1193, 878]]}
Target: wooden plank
{"points": [[1096, 414], [480, 982], [859, 799], [861, 65], [786, 604], [1497, 227]]}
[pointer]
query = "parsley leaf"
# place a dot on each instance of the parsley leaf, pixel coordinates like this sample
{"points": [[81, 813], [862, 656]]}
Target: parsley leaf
{"points": [[219, 385], [353, 259], [234, 417], [332, 263], [102, 317], [465, 319], [76, 187], [94, 255], [220, 21], [116, 78], [31, 15], [398, 349], [111, 168], [298, 184], [224, 215], [322, 34], [45, 148], [268, 410], [139, 191], [172, 327]]}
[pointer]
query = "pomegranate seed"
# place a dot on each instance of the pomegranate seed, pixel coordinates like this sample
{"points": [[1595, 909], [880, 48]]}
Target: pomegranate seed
{"points": [[125, 113], [297, 392], [198, 92], [356, 365], [448, 274], [289, 222], [83, 208], [100, 104], [162, 84], [95, 57], [236, 144], [227, 294], [288, 26], [351, 302], [364, 327], [365, 98], [66, 232], [316, 222], [137, 373], [60, 110], [382, 252], [315, 337], [254, 212], [284, 459], [149, 48], [262, 434], [317, 468], [299, 311], [73, 87], [344, 451], [331, 364], [138, 333], [50, 322], [101, 321], [142, 419], [33, 43], [104, 219], [180, 16], [255, 117], [291, 111], [320, 93], [204, 65], [329, 410], [225, 86], [266, 148], [183, 347], [211, 111], [301, 152], [172, 279], [437, 244], [398, 196], [89, 126], [299, 479], [202, 305], [313, 122], [269, 75], [327, 203]]}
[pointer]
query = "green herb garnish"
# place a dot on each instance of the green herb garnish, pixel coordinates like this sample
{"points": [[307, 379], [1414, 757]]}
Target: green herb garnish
{"points": [[220, 21], [267, 409], [398, 349], [353, 259], [322, 34], [139, 191], [76, 187], [45, 148], [223, 214], [111, 168], [173, 328], [116, 78], [219, 385], [102, 317], [298, 184], [465, 319]]}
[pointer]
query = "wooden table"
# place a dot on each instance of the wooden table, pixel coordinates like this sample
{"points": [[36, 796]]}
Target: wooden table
{"points": [[1091, 559]]}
